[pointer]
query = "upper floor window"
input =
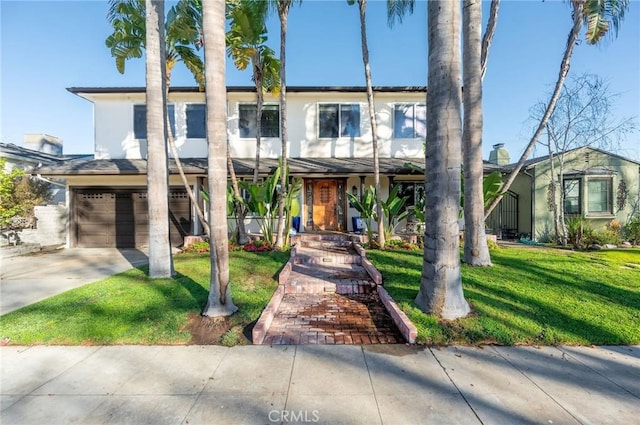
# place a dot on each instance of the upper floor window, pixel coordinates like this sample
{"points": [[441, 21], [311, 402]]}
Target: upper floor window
{"points": [[140, 120], [600, 196], [338, 120], [196, 121], [410, 121], [571, 188], [270, 122]]}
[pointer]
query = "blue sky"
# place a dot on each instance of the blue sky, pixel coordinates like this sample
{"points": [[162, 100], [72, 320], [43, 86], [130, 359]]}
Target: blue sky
{"points": [[47, 46]]}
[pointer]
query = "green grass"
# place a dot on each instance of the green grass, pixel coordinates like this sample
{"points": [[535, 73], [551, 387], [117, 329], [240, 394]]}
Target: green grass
{"points": [[130, 308], [530, 296]]}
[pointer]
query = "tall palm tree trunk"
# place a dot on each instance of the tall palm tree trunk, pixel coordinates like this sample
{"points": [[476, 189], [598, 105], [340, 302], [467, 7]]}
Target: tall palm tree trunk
{"points": [[219, 302], [283, 12], [160, 259], [476, 251], [441, 285], [362, 6], [259, 103], [183, 177], [578, 17]]}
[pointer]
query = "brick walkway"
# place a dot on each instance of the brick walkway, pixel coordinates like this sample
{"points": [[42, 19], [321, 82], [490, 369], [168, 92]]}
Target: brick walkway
{"points": [[330, 299]]}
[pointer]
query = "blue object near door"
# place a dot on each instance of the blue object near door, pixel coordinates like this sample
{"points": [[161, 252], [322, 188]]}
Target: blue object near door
{"points": [[296, 223], [358, 224]]}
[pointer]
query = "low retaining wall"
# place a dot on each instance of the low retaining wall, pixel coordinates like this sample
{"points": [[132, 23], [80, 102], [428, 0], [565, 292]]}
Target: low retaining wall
{"points": [[405, 326], [264, 322]]}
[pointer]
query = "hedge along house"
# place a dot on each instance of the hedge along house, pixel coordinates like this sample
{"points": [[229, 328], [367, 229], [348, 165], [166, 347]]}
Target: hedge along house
{"points": [[598, 185], [330, 148]]}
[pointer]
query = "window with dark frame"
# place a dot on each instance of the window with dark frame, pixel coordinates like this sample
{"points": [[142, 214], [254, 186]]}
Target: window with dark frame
{"points": [[247, 120], [571, 189], [414, 191], [196, 121], [338, 120], [410, 121], [140, 120]]}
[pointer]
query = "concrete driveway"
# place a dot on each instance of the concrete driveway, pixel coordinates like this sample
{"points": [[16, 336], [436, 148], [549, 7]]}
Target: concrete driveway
{"points": [[30, 278]]}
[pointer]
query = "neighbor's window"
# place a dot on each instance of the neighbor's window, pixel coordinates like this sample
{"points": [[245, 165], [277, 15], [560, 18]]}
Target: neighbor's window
{"points": [[410, 121], [247, 114], [571, 189], [600, 196], [140, 121], [338, 120], [196, 119]]}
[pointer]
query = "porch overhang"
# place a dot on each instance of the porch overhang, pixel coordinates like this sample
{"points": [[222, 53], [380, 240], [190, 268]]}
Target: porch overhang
{"points": [[243, 166]]}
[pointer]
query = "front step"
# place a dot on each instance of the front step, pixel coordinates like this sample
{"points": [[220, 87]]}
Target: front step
{"points": [[302, 258]]}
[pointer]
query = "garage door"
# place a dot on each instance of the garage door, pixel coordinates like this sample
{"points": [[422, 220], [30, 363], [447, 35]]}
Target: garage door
{"points": [[120, 219]]}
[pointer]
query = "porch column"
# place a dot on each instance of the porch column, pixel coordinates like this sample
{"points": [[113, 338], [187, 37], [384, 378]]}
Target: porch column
{"points": [[361, 187]]}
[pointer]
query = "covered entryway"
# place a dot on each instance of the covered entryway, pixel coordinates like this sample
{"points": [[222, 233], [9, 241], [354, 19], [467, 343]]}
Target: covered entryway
{"points": [[326, 207], [118, 218]]}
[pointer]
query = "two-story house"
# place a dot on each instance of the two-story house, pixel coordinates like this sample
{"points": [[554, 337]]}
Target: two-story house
{"points": [[330, 148]]}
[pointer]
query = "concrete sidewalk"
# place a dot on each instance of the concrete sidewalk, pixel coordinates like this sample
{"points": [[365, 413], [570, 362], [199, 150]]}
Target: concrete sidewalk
{"points": [[31, 278], [375, 384]]}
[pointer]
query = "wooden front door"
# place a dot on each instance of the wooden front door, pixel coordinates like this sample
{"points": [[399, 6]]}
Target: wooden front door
{"points": [[325, 205]]}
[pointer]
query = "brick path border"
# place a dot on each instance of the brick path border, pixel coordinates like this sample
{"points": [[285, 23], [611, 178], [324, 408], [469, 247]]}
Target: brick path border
{"points": [[402, 322]]}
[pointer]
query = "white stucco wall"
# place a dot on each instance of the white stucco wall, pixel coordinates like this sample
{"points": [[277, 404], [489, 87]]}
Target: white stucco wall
{"points": [[114, 135]]}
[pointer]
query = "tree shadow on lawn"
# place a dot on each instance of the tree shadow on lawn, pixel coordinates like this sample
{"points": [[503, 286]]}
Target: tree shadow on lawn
{"points": [[549, 319]]}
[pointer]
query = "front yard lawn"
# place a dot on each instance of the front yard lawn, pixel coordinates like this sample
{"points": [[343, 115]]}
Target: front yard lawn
{"points": [[530, 296], [130, 308]]}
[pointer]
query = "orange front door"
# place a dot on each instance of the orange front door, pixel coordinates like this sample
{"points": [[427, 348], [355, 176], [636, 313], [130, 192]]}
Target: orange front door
{"points": [[325, 207]]}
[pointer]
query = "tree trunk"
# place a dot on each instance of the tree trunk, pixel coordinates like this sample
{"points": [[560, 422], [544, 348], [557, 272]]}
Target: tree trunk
{"points": [[476, 252], [553, 192], [578, 16], [183, 177], [241, 213], [160, 259], [441, 285], [562, 224], [219, 302], [283, 12], [487, 39], [362, 5], [257, 76]]}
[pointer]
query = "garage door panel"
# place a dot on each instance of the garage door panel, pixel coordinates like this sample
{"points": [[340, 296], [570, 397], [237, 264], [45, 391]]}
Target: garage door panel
{"points": [[110, 218]]}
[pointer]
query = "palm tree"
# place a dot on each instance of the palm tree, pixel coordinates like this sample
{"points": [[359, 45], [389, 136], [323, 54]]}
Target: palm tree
{"points": [[219, 302], [246, 44], [476, 251], [599, 16], [441, 285], [160, 259], [183, 32], [362, 8], [283, 7]]}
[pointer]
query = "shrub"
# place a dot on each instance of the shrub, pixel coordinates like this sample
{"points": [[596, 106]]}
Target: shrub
{"points": [[197, 247], [632, 230], [579, 232], [260, 245]]}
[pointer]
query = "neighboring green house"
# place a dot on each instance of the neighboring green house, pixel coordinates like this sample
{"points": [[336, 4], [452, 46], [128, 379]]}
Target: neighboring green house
{"points": [[598, 185]]}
